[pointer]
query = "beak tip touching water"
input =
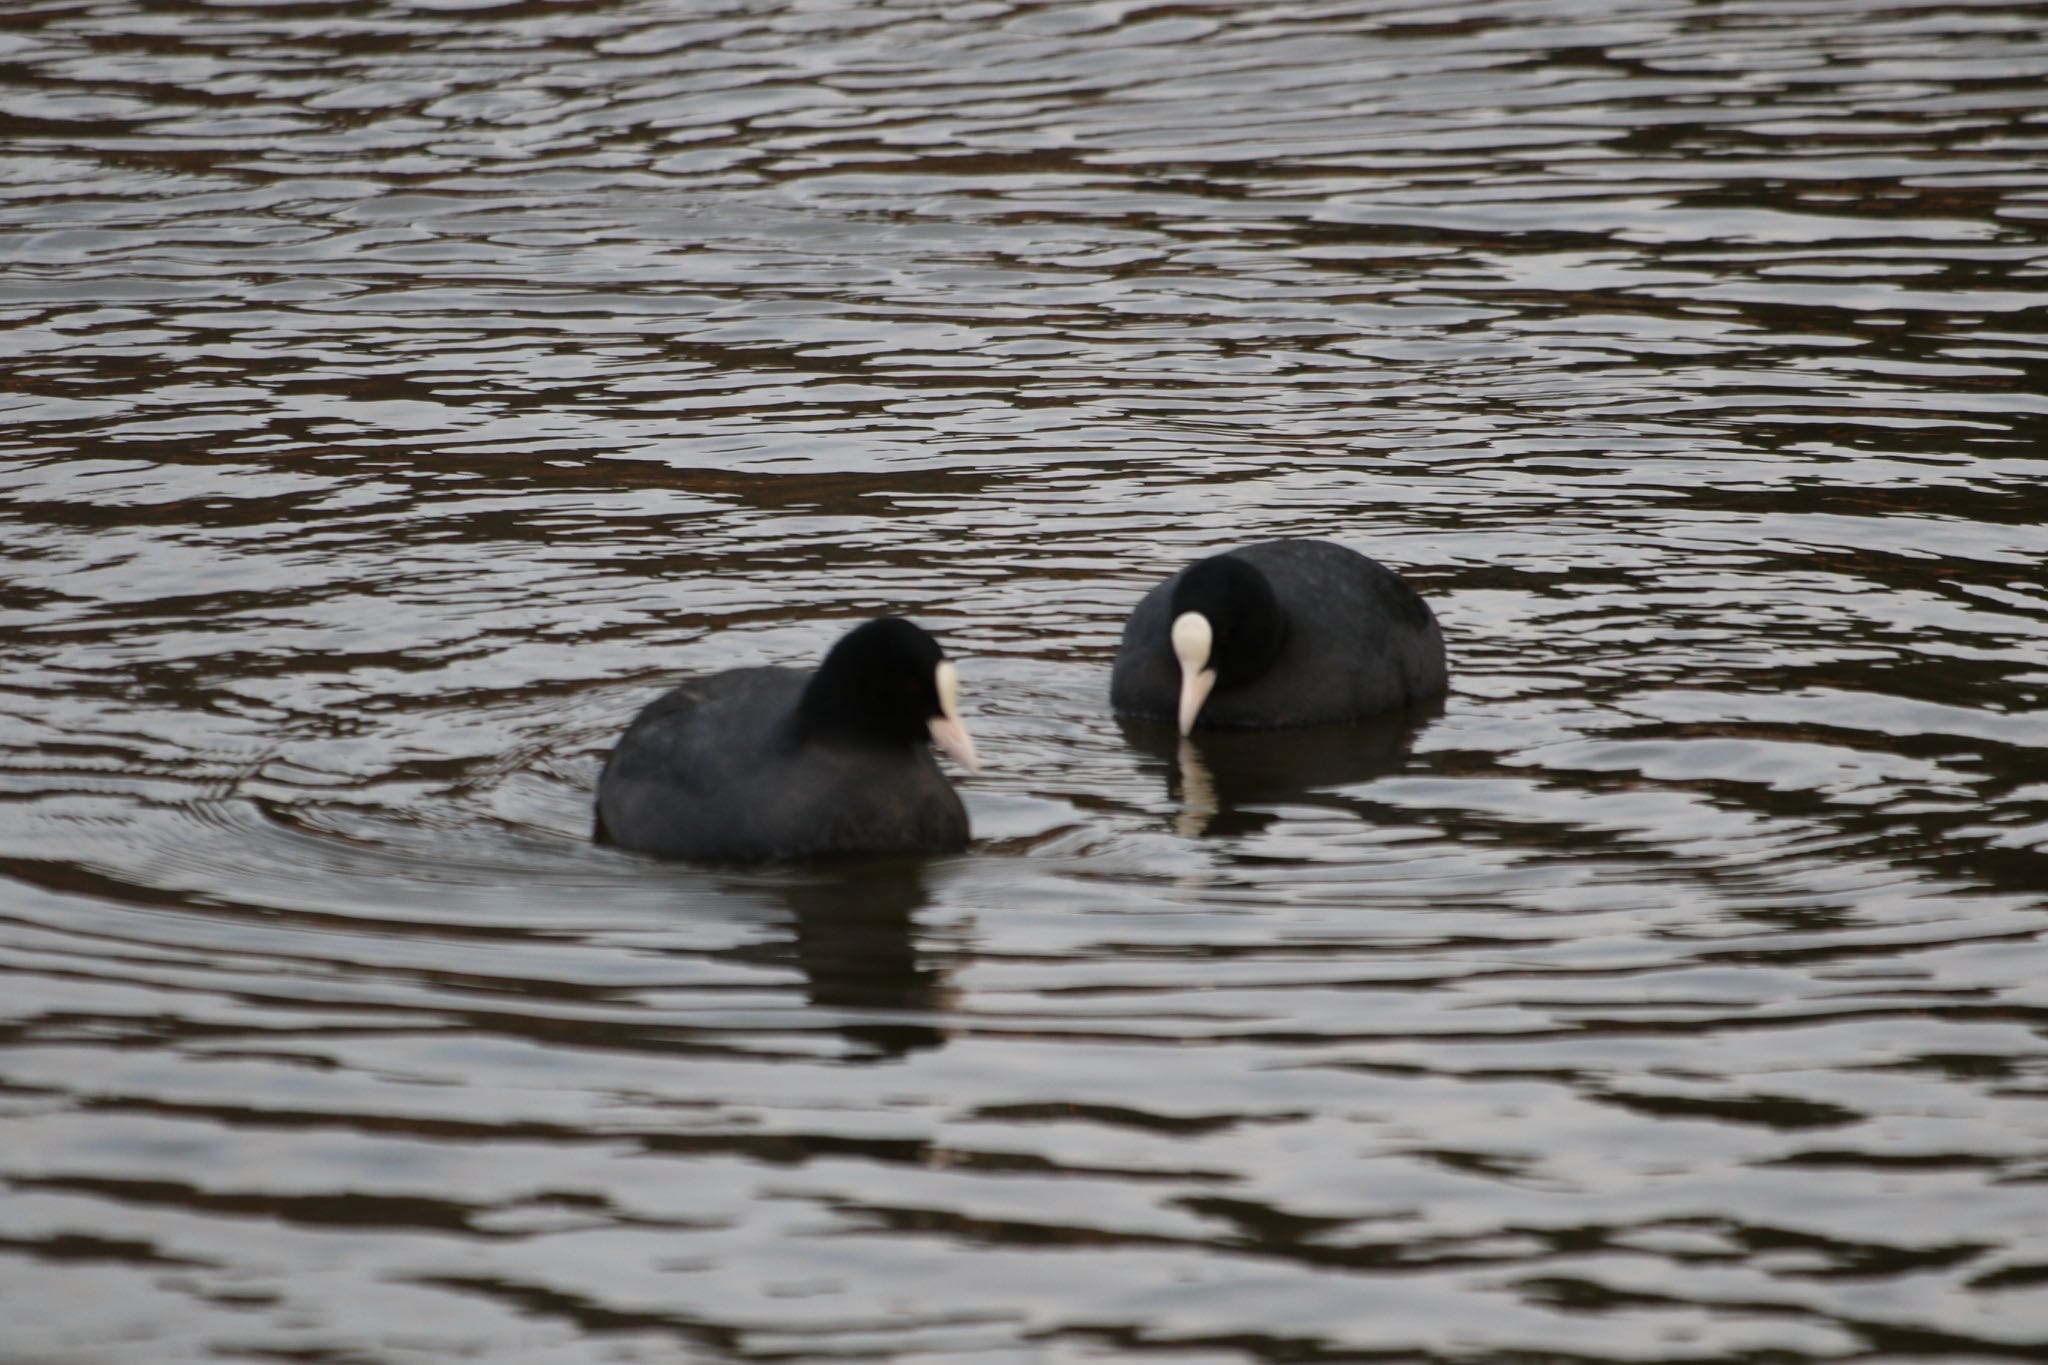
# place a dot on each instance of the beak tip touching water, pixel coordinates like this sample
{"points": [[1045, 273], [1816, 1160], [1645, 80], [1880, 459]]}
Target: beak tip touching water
{"points": [[1194, 690]]}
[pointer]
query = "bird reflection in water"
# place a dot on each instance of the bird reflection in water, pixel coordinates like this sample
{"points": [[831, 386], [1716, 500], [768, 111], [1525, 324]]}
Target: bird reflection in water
{"points": [[856, 942], [1226, 780]]}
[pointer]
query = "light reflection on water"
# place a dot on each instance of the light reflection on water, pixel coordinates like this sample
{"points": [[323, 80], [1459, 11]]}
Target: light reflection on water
{"points": [[396, 397]]}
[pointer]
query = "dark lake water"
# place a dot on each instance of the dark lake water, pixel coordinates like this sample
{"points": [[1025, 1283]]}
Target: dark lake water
{"points": [[394, 397]]}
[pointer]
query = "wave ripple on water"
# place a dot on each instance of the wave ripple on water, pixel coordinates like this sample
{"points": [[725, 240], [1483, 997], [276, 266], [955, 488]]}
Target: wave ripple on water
{"points": [[396, 396]]}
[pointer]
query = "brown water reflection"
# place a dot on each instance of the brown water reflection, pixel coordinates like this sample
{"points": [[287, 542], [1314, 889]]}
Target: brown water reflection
{"points": [[1228, 781], [395, 396]]}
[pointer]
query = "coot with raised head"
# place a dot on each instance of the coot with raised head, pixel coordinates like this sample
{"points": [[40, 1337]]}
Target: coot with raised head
{"points": [[771, 764]]}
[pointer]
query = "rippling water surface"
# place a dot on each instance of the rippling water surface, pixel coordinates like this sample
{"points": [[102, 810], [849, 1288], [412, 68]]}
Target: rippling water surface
{"points": [[395, 396]]}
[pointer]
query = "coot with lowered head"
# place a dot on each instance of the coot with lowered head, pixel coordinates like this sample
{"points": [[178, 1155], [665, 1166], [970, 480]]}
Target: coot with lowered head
{"points": [[1279, 634]]}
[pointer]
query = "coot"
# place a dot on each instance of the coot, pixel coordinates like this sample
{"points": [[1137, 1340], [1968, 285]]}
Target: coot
{"points": [[769, 764], [1284, 633]]}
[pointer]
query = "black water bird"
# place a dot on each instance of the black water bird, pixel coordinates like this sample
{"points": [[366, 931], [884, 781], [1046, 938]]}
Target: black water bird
{"points": [[1280, 634], [773, 764]]}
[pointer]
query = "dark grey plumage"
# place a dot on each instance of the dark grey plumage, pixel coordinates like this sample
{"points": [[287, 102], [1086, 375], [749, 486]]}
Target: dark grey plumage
{"points": [[1338, 638], [772, 764]]}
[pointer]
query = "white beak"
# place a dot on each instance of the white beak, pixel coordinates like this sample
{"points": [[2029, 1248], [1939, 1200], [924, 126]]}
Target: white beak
{"points": [[947, 732], [1192, 640]]}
